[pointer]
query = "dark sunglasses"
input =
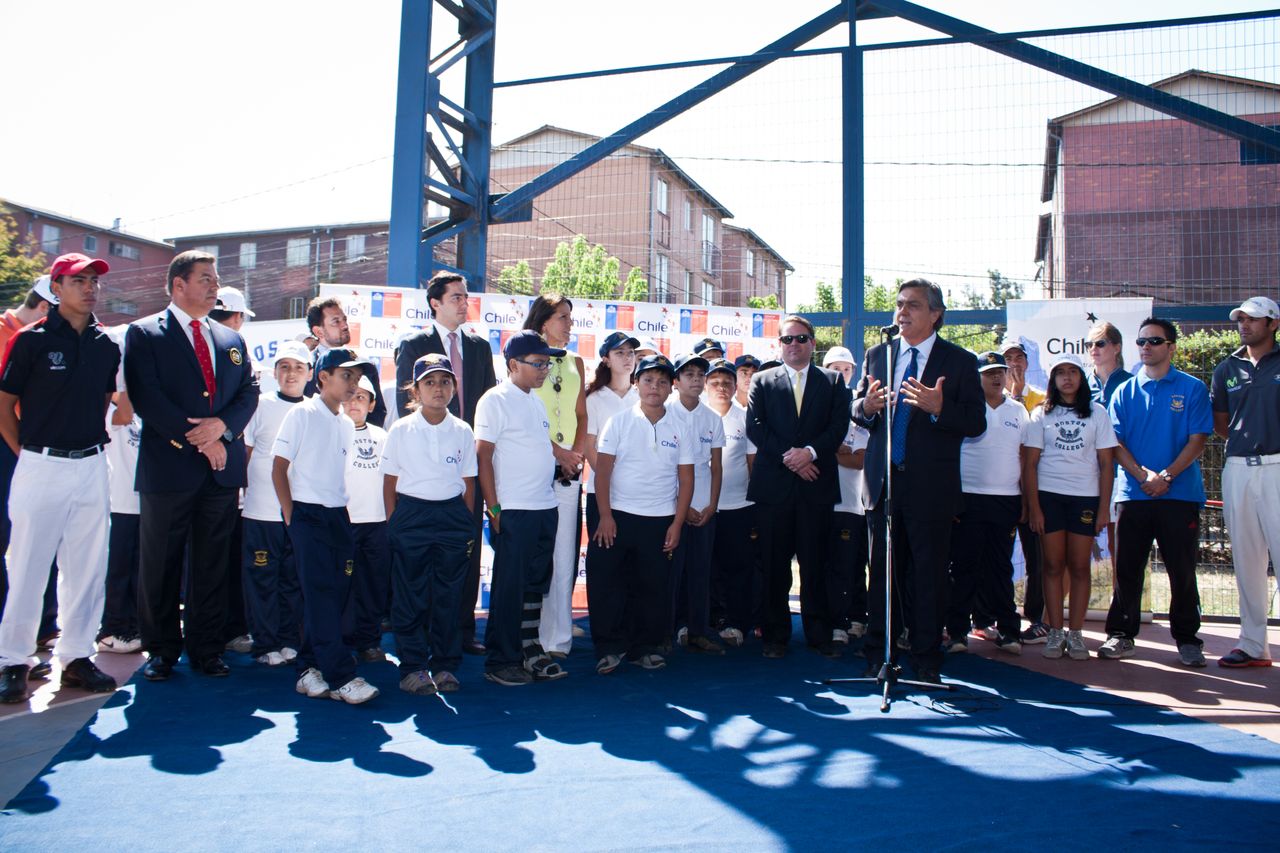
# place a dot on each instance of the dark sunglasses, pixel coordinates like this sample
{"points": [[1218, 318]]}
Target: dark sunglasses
{"points": [[799, 339], [1099, 344], [1155, 342]]}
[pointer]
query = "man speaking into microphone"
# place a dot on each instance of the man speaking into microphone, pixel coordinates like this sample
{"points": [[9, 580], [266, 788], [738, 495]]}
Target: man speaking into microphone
{"points": [[937, 402]]}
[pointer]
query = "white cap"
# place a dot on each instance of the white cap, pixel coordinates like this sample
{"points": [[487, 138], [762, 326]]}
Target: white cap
{"points": [[231, 299], [648, 344], [294, 350], [1066, 358], [1256, 307], [837, 354], [365, 384], [1009, 343], [44, 286]]}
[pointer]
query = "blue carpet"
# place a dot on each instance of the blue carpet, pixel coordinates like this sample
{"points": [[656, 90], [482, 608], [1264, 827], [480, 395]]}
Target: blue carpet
{"points": [[734, 753]]}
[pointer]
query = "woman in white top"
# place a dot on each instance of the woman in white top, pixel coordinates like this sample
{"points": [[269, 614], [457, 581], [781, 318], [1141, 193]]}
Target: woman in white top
{"points": [[1067, 476], [610, 392]]}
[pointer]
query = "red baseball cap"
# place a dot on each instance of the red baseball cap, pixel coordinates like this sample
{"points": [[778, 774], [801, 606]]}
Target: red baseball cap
{"points": [[75, 262]]}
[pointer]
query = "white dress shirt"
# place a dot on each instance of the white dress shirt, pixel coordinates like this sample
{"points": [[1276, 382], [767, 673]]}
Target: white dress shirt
{"points": [[904, 358]]}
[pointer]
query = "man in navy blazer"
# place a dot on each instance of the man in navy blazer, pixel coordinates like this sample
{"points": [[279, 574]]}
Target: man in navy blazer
{"points": [[192, 384], [797, 415], [942, 402]]}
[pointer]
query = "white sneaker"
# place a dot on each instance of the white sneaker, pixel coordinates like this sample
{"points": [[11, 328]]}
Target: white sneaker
{"points": [[120, 645], [289, 655], [354, 692], [841, 636], [271, 659], [242, 644], [731, 636], [1076, 647], [1055, 644], [682, 637], [857, 629], [312, 684]]}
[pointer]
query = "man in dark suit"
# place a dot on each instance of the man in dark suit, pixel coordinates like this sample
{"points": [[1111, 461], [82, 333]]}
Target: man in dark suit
{"points": [[447, 298], [937, 383], [192, 384], [328, 324], [797, 415]]}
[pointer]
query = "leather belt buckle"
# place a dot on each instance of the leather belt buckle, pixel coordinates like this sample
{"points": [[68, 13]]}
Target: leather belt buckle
{"points": [[75, 454], [1253, 461]]}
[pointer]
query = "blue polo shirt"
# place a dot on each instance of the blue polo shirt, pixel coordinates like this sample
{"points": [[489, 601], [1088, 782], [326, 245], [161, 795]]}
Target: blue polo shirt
{"points": [[1154, 419], [1102, 393]]}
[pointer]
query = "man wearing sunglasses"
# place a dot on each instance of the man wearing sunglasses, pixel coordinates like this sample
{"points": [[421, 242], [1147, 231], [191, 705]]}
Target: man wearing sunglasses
{"points": [[797, 416], [937, 402]]}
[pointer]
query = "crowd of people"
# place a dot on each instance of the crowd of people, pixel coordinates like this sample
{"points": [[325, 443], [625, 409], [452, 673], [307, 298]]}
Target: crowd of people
{"points": [[159, 501]]}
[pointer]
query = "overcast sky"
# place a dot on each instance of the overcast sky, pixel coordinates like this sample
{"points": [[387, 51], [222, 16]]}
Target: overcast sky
{"points": [[186, 118]]}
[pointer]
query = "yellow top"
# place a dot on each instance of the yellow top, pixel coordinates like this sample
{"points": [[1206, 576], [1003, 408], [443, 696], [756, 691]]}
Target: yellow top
{"points": [[1032, 398], [559, 395]]}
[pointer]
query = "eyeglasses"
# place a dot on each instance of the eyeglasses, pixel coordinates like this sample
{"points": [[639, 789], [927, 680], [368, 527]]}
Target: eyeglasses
{"points": [[1099, 344], [536, 365], [799, 339], [1155, 342]]}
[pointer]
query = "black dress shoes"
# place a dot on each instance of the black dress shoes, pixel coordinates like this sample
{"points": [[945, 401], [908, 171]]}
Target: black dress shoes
{"points": [[158, 668], [472, 647], [213, 666], [13, 683], [84, 673], [40, 671]]}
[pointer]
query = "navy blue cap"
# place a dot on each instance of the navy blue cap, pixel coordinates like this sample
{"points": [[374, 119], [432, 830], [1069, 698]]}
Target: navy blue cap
{"points": [[683, 361], [616, 340], [705, 344], [746, 360], [336, 358], [528, 342], [773, 362], [720, 365], [991, 361], [658, 361], [432, 362]]}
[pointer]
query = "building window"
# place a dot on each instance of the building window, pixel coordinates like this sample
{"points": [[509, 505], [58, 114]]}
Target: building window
{"points": [[709, 250], [211, 250], [708, 293], [124, 250], [660, 192], [298, 252], [355, 247], [1256, 155], [248, 256], [688, 214], [751, 263], [297, 307], [50, 237], [90, 243], [661, 279]]}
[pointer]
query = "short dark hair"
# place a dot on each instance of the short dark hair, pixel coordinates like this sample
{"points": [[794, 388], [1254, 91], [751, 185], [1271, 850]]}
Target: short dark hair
{"points": [[316, 308], [933, 294], [34, 299], [796, 318], [543, 309], [1170, 330], [439, 284], [218, 315], [180, 266]]}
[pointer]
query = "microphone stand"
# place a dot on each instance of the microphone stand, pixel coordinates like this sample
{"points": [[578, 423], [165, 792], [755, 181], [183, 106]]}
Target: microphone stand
{"points": [[890, 673]]}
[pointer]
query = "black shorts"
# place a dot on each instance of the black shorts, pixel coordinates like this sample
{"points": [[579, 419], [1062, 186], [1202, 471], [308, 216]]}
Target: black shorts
{"points": [[1071, 513]]}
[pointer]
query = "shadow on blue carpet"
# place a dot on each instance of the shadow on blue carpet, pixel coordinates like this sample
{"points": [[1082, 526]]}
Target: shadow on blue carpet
{"points": [[731, 753]]}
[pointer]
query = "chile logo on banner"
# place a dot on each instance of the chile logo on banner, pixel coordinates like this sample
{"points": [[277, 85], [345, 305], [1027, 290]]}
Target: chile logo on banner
{"points": [[473, 309], [619, 317], [764, 325], [583, 345], [693, 321], [385, 304]]}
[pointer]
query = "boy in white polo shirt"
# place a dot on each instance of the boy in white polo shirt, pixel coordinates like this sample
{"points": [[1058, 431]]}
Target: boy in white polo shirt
{"points": [[309, 473], [429, 489], [691, 563], [515, 464], [370, 595], [847, 556], [272, 595], [644, 484], [119, 632]]}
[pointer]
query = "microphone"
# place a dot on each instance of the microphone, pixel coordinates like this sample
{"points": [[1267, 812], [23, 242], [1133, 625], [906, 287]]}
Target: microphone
{"points": [[889, 330]]}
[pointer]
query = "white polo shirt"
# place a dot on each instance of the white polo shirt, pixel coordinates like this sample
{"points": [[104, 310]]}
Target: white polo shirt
{"points": [[646, 456], [601, 406], [260, 501], [705, 427], [515, 422], [1069, 446], [733, 459], [852, 483], [364, 475], [990, 464], [317, 442], [429, 461], [122, 463]]}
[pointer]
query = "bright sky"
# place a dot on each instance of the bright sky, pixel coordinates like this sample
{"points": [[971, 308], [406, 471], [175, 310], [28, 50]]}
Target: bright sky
{"points": [[184, 118]]}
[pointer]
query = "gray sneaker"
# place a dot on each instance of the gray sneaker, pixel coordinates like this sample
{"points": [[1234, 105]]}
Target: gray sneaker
{"points": [[1055, 644], [1115, 648], [1076, 647], [509, 676], [419, 683], [1190, 654]]}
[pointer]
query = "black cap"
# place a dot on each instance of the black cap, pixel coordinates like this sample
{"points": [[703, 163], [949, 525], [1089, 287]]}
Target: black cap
{"points": [[432, 362], [773, 362], [705, 344], [688, 359], [336, 358], [990, 360], [657, 361], [746, 360], [719, 365], [528, 342], [616, 340]]}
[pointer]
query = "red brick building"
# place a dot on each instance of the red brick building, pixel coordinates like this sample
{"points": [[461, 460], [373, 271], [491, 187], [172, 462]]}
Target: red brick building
{"points": [[1146, 205], [751, 268], [135, 285]]}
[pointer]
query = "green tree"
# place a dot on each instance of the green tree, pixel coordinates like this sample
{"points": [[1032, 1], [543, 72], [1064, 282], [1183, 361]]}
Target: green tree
{"points": [[516, 278], [20, 263], [768, 302], [636, 287], [582, 269]]}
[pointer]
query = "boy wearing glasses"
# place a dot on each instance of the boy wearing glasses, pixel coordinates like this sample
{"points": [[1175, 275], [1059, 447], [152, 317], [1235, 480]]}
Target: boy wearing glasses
{"points": [[515, 463]]}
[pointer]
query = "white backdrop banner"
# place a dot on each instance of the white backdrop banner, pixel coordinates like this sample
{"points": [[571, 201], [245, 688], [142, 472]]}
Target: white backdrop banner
{"points": [[1048, 327]]}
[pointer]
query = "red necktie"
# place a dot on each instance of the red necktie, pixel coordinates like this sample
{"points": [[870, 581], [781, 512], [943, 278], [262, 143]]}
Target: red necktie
{"points": [[202, 356], [456, 363]]}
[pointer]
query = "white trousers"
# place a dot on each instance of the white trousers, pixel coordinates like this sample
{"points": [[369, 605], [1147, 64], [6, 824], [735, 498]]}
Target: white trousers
{"points": [[1251, 509], [555, 632], [58, 507]]}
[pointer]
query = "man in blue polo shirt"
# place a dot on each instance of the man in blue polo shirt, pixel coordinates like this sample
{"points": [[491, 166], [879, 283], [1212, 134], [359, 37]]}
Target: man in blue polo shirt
{"points": [[1162, 419]]}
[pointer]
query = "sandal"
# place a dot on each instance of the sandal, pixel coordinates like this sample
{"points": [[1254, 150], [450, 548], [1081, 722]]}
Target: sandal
{"points": [[608, 664], [543, 668]]}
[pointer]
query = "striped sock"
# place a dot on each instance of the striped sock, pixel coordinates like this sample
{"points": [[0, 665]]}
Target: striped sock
{"points": [[532, 617]]}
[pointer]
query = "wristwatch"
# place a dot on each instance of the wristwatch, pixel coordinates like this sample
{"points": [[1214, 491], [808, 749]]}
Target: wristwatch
{"points": [[1165, 475]]}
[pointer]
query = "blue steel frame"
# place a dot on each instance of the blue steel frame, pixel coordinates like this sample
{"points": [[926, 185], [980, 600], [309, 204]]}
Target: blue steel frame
{"points": [[472, 208]]}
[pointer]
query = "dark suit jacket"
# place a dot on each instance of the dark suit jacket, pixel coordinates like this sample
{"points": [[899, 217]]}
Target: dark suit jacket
{"points": [[932, 475], [166, 387], [774, 428], [477, 368]]}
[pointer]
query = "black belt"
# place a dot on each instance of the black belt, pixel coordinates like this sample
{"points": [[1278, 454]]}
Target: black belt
{"points": [[64, 454]]}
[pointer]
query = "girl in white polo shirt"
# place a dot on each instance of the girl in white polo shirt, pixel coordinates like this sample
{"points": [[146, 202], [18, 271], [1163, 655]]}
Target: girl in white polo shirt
{"points": [[644, 484], [1067, 475], [610, 392], [429, 489]]}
